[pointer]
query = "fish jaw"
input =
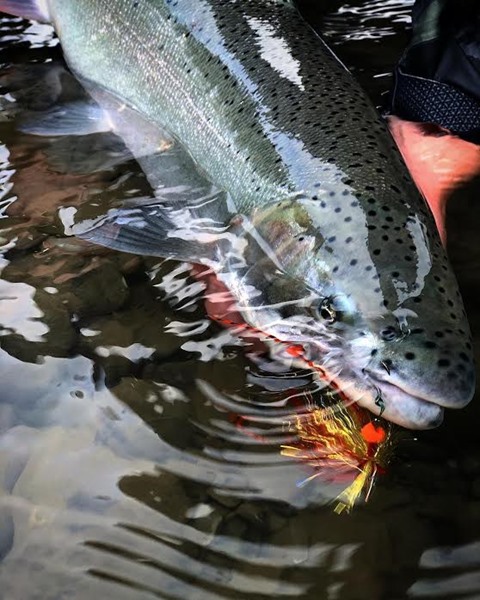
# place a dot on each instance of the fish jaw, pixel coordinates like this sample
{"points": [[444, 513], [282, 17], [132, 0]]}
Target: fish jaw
{"points": [[408, 381], [385, 399], [402, 408], [414, 383]]}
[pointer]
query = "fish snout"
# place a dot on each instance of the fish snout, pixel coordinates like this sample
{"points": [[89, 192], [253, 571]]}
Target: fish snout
{"points": [[443, 375], [397, 406]]}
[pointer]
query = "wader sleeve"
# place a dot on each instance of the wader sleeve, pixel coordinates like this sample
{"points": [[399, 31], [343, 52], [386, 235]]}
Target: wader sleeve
{"points": [[438, 77]]}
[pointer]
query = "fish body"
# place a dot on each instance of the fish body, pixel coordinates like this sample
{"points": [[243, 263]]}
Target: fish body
{"points": [[317, 228]]}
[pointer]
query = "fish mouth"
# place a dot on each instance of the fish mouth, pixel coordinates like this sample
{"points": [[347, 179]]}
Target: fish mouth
{"points": [[402, 407]]}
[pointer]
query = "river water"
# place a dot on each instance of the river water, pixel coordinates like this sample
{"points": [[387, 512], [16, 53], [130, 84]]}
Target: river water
{"points": [[125, 472]]}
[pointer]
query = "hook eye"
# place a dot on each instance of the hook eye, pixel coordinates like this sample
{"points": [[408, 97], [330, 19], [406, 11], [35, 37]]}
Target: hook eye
{"points": [[390, 333], [327, 311]]}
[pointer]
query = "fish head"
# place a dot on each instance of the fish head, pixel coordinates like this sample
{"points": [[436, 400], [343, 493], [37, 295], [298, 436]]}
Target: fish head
{"points": [[377, 314], [420, 358]]}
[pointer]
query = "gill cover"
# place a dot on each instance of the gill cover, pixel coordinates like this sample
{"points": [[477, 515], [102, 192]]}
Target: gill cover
{"points": [[28, 9]]}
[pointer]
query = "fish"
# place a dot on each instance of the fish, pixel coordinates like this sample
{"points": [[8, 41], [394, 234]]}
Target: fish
{"points": [[294, 193]]}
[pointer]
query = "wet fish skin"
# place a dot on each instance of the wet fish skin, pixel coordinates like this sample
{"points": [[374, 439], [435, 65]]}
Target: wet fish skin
{"points": [[339, 252]]}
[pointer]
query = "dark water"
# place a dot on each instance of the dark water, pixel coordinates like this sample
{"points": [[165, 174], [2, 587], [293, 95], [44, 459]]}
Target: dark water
{"points": [[123, 470]]}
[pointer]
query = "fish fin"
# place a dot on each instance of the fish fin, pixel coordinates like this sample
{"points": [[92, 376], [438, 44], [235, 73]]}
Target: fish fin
{"points": [[28, 9], [89, 154], [167, 165], [145, 230], [74, 118], [140, 134]]}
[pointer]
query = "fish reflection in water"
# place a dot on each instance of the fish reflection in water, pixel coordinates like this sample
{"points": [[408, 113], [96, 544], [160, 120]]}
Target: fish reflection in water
{"points": [[122, 473]]}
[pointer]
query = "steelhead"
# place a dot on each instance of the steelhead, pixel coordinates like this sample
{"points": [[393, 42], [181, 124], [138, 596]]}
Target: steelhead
{"points": [[313, 223]]}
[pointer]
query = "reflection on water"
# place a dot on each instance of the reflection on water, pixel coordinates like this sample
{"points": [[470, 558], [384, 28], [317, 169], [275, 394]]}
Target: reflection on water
{"points": [[368, 21], [443, 563], [139, 440]]}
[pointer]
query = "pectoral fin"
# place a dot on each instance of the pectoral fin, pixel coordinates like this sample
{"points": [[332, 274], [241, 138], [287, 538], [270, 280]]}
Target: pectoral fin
{"points": [[74, 118], [96, 131], [188, 218], [155, 230]]}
